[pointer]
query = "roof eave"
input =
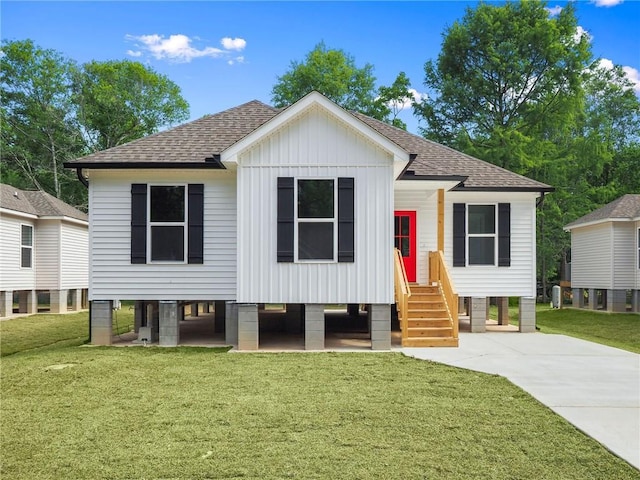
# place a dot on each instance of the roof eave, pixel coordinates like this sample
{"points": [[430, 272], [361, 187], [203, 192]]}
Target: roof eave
{"points": [[546, 189], [213, 163]]}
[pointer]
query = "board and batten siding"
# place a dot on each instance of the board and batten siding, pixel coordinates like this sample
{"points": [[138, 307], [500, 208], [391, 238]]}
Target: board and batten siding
{"points": [[518, 279], [74, 256], [315, 145], [12, 275], [592, 256], [113, 277], [48, 255]]}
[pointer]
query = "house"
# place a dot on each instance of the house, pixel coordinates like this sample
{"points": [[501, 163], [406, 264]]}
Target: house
{"points": [[605, 256], [302, 206], [44, 246]]}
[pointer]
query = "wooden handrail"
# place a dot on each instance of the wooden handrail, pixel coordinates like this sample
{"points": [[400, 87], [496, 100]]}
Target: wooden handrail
{"points": [[439, 274], [403, 291]]}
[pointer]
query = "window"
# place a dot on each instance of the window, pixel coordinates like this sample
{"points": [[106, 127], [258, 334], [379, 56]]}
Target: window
{"points": [[482, 235], [316, 219], [481, 228], [26, 246], [167, 223]]}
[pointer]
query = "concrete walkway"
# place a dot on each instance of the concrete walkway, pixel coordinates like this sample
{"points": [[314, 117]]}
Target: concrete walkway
{"points": [[596, 388]]}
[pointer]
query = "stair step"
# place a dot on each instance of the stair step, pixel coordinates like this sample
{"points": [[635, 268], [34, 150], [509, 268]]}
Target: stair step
{"points": [[430, 342], [428, 322], [429, 332], [427, 313], [435, 305], [424, 289]]}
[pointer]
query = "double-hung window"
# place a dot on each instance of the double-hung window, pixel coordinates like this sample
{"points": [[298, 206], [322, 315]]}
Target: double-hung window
{"points": [[481, 234], [26, 246], [167, 223], [316, 219]]}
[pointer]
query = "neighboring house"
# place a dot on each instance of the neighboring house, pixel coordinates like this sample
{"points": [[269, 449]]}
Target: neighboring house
{"points": [[605, 255], [44, 246], [301, 206]]}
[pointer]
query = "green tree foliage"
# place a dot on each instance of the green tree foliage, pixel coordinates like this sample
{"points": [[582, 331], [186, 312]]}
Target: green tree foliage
{"points": [[54, 111], [38, 128], [334, 73], [517, 88], [119, 101]]}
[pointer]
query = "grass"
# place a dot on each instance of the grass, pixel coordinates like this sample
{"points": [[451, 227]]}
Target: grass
{"points": [[187, 413], [44, 331], [619, 330]]}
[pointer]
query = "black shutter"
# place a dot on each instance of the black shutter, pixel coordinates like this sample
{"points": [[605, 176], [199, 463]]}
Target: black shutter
{"points": [[139, 223], [195, 223], [504, 234], [459, 234], [346, 215], [285, 219]]}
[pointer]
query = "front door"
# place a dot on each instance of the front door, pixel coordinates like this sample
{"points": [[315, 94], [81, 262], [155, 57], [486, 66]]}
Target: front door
{"points": [[405, 240]]}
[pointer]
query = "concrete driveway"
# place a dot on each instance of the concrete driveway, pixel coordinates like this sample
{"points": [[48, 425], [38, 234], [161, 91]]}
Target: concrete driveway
{"points": [[596, 388]]}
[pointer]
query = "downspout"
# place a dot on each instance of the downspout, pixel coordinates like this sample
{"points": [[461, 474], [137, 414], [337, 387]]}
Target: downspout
{"points": [[82, 178]]}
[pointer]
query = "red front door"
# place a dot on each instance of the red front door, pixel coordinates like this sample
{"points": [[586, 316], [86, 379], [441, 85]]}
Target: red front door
{"points": [[405, 240]]}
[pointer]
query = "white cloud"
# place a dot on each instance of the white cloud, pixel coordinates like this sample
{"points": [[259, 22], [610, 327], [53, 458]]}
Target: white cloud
{"points": [[580, 32], [407, 102], [179, 48], [605, 63], [553, 11], [233, 43], [633, 75], [235, 60], [606, 3]]}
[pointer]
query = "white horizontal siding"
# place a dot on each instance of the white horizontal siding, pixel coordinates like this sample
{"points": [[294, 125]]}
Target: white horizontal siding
{"points": [[624, 255], [112, 276], [315, 145], [12, 276], [48, 255], [637, 258], [592, 256], [74, 255], [519, 279]]}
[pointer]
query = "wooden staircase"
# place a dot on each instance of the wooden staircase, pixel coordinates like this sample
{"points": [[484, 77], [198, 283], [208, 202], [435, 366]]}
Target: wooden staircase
{"points": [[429, 323]]}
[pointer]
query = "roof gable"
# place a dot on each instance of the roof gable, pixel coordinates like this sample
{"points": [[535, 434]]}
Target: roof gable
{"points": [[625, 208], [314, 100]]}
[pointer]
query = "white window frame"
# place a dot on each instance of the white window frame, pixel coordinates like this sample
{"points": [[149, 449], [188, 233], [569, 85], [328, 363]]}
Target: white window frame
{"points": [[296, 220], [30, 247], [184, 224], [494, 235]]}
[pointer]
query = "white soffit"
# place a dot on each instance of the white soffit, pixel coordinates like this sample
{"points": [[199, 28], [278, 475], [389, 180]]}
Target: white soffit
{"points": [[230, 155], [421, 185]]}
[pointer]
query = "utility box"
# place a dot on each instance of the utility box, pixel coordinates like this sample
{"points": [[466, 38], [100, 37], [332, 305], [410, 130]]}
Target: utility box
{"points": [[556, 296]]}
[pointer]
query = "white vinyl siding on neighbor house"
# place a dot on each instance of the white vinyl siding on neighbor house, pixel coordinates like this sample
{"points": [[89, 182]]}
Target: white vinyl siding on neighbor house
{"points": [[48, 255], [74, 256], [12, 275], [312, 146], [637, 227], [592, 256], [113, 276], [624, 255], [518, 279]]}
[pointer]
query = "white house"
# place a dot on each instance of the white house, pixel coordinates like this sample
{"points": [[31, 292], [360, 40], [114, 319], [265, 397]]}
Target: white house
{"points": [[43, 247], [605, 255], [302, 206]]}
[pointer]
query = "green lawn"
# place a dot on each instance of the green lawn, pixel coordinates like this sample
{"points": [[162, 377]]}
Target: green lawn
{"points": [[45, 331], [620, 330], [190, 413]]}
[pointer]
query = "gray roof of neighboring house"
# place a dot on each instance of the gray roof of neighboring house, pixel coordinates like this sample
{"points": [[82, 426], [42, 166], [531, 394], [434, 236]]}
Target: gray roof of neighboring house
{"points": [[201, 141], [626, 207], [37, 203]]}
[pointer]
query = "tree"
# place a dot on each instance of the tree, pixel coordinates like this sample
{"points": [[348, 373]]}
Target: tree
{"points": [[119, 101], [334, 73], [38, 129]]}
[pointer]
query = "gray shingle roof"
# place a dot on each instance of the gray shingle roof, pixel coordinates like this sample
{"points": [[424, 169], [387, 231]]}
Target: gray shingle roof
{"points": [[37, 203], [209, 136], [626, 207]]}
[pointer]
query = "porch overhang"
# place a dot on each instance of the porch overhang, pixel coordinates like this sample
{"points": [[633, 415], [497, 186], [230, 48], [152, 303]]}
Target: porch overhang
{"points": [[409, 182]]}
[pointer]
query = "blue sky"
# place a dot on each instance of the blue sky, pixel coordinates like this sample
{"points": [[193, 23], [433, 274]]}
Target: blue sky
{"points": [[223, 54]]}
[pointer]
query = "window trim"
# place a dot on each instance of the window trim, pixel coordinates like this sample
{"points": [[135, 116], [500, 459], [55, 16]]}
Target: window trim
{"points": [[184, 224], [297, 220], [23, 246], [493, 235]]}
